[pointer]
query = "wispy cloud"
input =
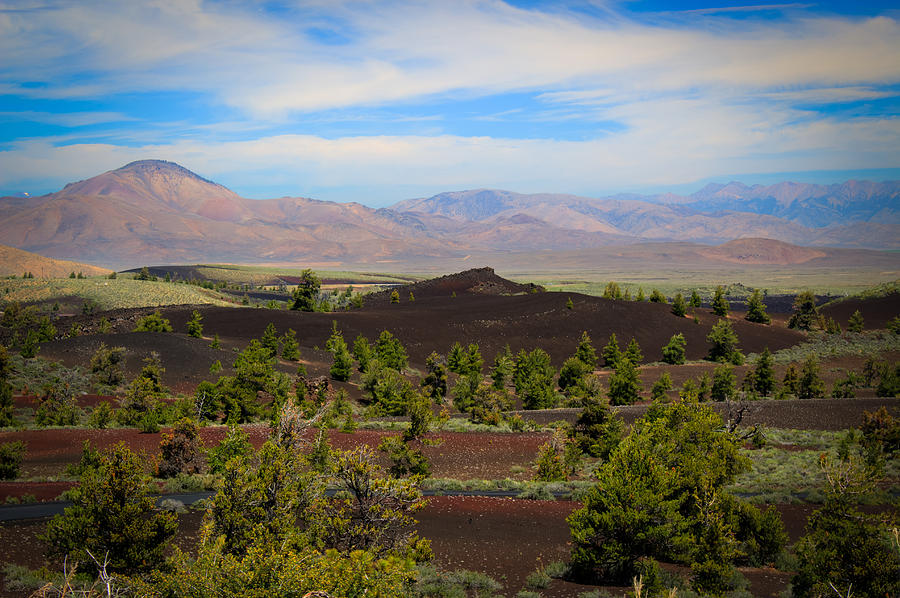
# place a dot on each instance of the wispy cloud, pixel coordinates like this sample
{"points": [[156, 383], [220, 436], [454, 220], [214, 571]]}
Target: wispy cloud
{"points": [[675, 99]]}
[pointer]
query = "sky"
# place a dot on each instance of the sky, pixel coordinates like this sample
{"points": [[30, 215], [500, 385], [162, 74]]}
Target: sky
{"points": [[379, 101]]}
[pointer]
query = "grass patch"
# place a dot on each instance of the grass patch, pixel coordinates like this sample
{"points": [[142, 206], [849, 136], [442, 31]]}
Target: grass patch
{"points": [[120, 293], [823, 346]]}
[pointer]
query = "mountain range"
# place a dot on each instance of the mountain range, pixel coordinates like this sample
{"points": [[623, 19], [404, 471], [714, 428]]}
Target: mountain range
{"points": [[154, 211]]}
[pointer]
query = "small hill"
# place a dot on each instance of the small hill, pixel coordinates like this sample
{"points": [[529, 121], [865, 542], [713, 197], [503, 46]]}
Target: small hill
{"points": [[761, 251], [477, 281], [16, 262]]}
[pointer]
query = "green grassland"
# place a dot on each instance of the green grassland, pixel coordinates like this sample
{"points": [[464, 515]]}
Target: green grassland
{"points": [[109, 294], [741, 281], [257, 275]]}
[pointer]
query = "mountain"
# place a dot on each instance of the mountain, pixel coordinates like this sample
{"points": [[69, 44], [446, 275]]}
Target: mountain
{"points": [[157, 211], [15, 262], [814, 206], [154, 211], [716, 214]]}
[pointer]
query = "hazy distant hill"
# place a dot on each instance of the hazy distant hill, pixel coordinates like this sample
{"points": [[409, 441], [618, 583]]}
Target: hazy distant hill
{"points": [[154, 211], [854, 214]]}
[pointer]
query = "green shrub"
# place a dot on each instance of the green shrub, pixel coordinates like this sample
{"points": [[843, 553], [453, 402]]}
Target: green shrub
{"points": [[153, 323], [11, 455]]}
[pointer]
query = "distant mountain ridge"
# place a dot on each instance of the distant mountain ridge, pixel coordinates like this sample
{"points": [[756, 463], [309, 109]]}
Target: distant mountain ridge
{"points": [[154, 211]]}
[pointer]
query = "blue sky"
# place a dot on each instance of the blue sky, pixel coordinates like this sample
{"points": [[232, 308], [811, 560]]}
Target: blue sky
{"points": [[376, 102]]}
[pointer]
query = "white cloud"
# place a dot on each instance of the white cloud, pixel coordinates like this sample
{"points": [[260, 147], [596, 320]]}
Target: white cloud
{"points": [[686, 141], [402, 50]]}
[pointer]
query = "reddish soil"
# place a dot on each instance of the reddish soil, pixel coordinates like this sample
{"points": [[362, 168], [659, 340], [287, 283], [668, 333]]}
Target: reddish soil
{"points": [[459, 455], [505, 538]]}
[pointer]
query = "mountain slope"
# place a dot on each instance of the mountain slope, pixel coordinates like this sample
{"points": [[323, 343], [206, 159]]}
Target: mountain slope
{"points": [[158, 211], [154, 211], [15, 262]]}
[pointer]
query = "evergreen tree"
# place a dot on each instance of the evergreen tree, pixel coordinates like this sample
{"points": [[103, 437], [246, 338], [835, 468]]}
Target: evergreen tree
{"points": [[764, 373], [720, 303], [679, 308], [436, 379], [791, 381], [612, 291], [633, 352], [290, 348], [113, 516], [640, 295], [455, 358], [674, 351], [363, 352], [269, 339], [585, 352], [724, 342], [598, 429], [395, 296], [756, 309], [695, 299], [195, 325], [6, 398], [660, 388], [611, 353], [472, 362], [572, 373], [389, 352], [106, 365], [342, 365], [723, 383], [810, 385], [856, 322], [657, 297], [306, 295], [624, 384], [502, 371], [534, 379], [805, 311]]}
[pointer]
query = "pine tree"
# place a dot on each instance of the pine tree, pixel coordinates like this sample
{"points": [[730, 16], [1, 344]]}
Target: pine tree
{"points": [[290, 348], [640, 295], [195, 325], [633, 352], [674, 352], [306, 294], [764, 373], [6, 398], [455, 358], [502, 371], [810, 385], [395, 296], [756, 309], [436, 380], [343, 361], [724, 343], [611, 353], [720, 303], [660, 388], [723, 383], [695, 299], [679, 308], [624, 384], [657, 297], [856, 322], [363, 353], [805, 311], [585, 352], [269, 339]]}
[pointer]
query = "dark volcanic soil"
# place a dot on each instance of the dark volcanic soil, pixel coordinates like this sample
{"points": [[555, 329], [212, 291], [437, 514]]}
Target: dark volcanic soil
{"points": [[539, 320], [876, 312]]}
